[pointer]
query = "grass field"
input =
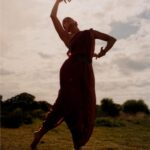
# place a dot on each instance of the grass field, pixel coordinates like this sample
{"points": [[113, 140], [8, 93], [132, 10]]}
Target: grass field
{"points": [[133, 136]]}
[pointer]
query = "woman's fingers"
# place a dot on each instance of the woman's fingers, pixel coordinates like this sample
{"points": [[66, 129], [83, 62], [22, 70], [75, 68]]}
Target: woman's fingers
{"points": [[59, 1], [102, 48], [64, 1], [67, 0]]}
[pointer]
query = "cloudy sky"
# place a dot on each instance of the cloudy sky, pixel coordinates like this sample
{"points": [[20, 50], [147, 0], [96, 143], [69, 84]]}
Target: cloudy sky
{"points": [[32, 53]]}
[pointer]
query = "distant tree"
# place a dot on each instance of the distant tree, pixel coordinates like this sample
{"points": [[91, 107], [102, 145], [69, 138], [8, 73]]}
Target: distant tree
{"points": [[134, 106], [44, 105], [99, 111], [21, 109], [23, 101], [13, 119], [109, 107], [142, 107], [1, 102], [1, 97]]}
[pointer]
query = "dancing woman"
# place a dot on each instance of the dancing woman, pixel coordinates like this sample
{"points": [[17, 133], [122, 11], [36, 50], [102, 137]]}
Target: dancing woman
{"points": [[76, 101]]}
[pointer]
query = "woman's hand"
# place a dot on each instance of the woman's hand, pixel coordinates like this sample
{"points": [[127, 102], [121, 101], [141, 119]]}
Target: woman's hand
{"points": [[100, 54], [63, 0], [59, 1]]}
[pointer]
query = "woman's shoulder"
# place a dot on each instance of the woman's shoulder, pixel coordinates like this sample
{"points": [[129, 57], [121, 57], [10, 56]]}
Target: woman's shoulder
{"points": [[88, 30]]}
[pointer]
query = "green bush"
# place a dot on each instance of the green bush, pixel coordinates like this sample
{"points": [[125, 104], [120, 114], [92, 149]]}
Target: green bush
{"points": [[28, 119], [38, 113], [45, 106], [133, 107], [143, 122], [13, 119], [109, 122], [109, 108]]}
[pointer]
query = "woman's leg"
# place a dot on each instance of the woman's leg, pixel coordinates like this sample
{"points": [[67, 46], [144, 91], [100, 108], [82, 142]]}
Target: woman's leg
{"points": [[53, 119]]}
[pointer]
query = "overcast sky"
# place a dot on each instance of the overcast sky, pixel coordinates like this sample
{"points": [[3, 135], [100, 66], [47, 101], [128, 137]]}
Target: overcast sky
{"points": [[32, 53]]}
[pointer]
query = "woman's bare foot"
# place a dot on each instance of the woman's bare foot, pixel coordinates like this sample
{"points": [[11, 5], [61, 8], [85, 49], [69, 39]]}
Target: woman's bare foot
{"points": [[36, 140]]}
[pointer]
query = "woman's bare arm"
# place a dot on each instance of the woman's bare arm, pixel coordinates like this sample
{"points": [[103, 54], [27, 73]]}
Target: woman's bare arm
{"points": [[61, 32], [105, 37]]}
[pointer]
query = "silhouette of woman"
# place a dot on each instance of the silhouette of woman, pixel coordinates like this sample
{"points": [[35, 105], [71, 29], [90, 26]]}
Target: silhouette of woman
{"points": [[76, 101]]}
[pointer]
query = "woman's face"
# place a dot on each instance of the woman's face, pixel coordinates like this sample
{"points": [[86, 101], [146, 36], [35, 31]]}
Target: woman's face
{"points": [[69, 24]]}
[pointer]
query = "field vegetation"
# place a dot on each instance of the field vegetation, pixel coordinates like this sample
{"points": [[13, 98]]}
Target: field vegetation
{"points": [[117, 127], [132, 135]]}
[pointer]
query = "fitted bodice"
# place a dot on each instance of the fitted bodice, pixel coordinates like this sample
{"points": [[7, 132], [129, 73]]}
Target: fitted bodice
{"points": [[82, 45]]}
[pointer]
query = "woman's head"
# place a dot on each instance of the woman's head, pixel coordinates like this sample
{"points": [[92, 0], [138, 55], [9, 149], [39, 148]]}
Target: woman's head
{"points": [[69, 24]]}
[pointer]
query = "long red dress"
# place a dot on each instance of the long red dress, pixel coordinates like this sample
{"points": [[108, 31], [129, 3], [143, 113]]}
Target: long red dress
{"points": [[76, 101]]}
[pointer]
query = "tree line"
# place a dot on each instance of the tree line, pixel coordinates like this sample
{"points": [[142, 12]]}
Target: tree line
{"points": [[23, 109], [131, 107]]}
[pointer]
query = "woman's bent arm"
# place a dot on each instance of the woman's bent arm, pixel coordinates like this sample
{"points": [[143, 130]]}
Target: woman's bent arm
{"points": [[109, 39]]}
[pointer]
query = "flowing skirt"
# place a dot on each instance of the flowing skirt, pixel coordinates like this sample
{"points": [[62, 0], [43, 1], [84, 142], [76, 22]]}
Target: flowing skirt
{"points": [[76, 101]]}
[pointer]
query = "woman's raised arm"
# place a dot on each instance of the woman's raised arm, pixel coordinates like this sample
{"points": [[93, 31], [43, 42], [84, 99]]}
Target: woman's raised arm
{"points": [[61, 32]]}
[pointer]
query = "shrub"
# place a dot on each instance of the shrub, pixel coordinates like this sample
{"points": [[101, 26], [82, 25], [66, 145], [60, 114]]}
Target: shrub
{"points": [[38, 113], [13, 119], [133, 107], [108, 122], [110, 108], [28, 119], [44, 105], [99, 112]]}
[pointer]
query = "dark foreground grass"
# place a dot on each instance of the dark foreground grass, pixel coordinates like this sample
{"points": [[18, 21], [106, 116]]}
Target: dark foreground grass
{"points": [[132, 136]]}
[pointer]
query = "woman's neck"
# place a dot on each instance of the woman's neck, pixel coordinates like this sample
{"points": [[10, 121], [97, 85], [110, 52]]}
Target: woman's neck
{"points": [[75, 31]]}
